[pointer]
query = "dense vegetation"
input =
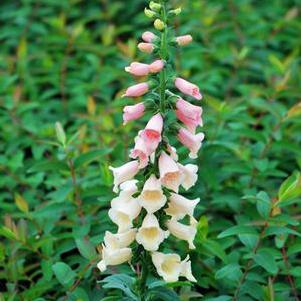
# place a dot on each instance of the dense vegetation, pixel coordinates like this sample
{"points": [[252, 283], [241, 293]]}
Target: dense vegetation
{"points": [[63, 61]]}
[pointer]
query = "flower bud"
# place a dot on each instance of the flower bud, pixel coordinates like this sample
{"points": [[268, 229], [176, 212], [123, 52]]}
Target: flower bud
{"points": [[155, 6], [149, 13], [159, 25], [176, 11]]}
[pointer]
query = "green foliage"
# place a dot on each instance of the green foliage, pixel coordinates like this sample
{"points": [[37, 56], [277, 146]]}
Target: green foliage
{"points": [[62, 61]]}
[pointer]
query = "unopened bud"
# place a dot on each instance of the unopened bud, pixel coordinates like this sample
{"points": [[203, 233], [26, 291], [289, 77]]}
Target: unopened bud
{"points": [[155, 6], [149, 13], [159, 25], [176, 11]]}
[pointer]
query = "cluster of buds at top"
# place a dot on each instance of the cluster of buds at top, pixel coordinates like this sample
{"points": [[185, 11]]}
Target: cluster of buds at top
{"points": [[150, 183]]}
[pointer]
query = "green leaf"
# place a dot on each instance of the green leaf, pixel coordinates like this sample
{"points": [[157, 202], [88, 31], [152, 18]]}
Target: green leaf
{"points": [[91, 156], [231, 271], [202, 229], [60, 133], [21, 203], [263, 204], [215, 248], [236, 230], [265, 259], [122, 282], [162, 294], [290, 188], [64, 274], [8, 233], [85, 248]]}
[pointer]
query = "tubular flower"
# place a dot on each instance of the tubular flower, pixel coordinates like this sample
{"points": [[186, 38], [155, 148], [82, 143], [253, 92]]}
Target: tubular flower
{"points": [[149, 37], [189, 114], [192, 142], [124, 173], [136, 90], [152, 197], [140, 151], [184, 40], [138, 69], [184, 232], [150, 235], [133, 112], [156, 66], [152, 132], [188, 88], [179, 206], [169, 172], [150, 206], [146, 47], [189, 175]]}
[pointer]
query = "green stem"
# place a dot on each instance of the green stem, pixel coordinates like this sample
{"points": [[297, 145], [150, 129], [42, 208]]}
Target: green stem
{"points": [[164, 56], [144, 275]]}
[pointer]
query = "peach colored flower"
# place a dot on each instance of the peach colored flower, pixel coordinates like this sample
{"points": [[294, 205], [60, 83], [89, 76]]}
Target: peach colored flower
{"points": [[169, 172], [184, 40], [188, 88], [140, 151], [137, 90], [146, 47], [189, 114], [152, 132], [148, 37], [138, 69], [133, 112], [191, 141], [156, 66]]}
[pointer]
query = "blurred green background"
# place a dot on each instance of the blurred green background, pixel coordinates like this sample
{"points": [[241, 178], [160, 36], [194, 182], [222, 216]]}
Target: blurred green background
{"points": [[63, 61]]}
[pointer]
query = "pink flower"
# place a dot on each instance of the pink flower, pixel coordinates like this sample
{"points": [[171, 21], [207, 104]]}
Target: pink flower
{"points": [[152, 132], [138, 69], [124, 173], [169, 172], [148, 37], [133, 112], [156, 66], [184, 40], [189, 114], [137, 90], [191, 141], [146, 47], [188, 88], [140, 151]]}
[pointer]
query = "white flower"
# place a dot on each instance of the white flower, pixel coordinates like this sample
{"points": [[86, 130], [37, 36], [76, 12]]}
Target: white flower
{"points": [[124, 210], [184, 232], [180, 206], [189, 175], [152, 197], [124, 173], [119, 240], [172, 152], [114, 257], [150, 235], [128, 188], [186, 270], [168, 266], [169, 172]]}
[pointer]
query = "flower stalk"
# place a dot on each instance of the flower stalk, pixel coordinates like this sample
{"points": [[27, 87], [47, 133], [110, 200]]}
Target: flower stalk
{"points": [[150, 207]]}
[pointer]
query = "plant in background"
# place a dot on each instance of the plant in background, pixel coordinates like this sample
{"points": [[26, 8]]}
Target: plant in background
{"points": [[150, 206]]}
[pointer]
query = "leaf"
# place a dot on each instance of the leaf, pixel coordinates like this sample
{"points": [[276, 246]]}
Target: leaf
{"points": [[163, 293], [88, 157], [263, 204], [236, 230], [290, 188], [60, 133], [122, 282], [21, 203], [85, 248], [48, 165], [64, 274], [8, 233], [215, 248], [231, 271], [202, 229], [294, 111], [265, 259]]}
